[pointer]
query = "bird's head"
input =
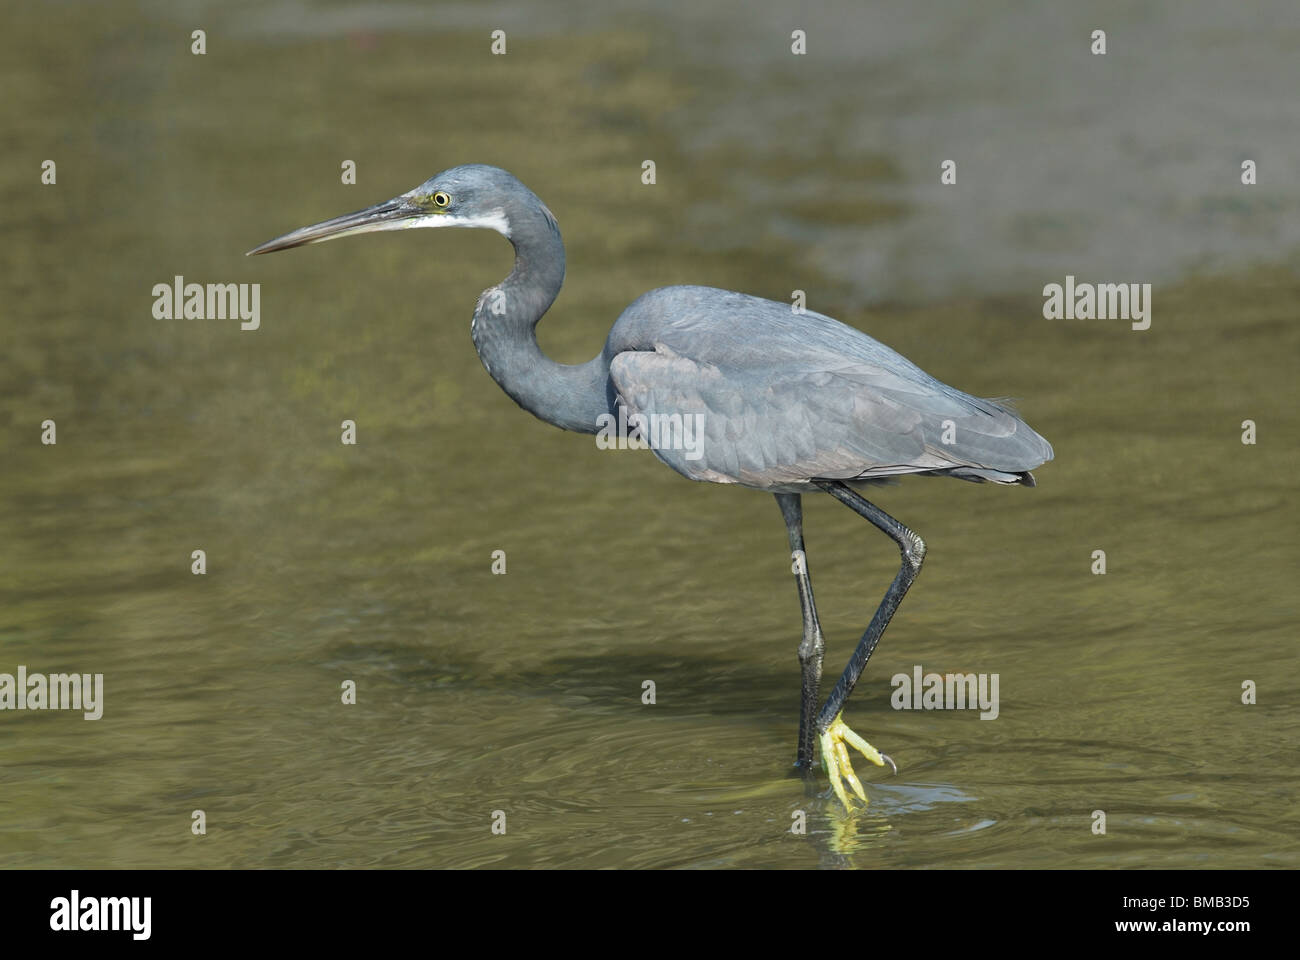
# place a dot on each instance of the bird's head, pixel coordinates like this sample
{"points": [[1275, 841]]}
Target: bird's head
{"points": [[473, 195]]}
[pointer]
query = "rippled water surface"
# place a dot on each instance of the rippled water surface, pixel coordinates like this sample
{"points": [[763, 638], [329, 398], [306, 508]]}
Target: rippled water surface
{"points": [[522, 693]]}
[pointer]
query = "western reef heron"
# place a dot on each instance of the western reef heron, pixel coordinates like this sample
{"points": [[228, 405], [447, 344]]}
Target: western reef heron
{"points": [[787, 402]]}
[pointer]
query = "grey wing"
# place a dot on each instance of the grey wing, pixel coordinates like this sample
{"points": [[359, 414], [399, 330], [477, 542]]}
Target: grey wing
{"points": [[768, 401]]}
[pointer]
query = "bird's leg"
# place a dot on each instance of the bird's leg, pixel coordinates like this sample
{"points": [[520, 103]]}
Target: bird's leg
{"points": [[813, 645], [832, 732]]}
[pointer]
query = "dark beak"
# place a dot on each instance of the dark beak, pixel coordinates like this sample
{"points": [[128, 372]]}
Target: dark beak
{"points": [[390, 215]]}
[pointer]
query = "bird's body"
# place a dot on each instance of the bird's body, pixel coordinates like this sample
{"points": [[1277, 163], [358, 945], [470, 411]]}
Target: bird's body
{"points": [[786, 401], [791, 397]]}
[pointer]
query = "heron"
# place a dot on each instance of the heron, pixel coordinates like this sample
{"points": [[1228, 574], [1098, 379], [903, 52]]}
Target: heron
{"points": [[785, 401]]}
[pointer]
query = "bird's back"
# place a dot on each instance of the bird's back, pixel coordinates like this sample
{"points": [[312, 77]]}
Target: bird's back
{"points": [[783, 397]]}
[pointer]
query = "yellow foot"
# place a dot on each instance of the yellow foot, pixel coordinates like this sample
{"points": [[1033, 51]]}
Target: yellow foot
{"points": [[835, 756]]}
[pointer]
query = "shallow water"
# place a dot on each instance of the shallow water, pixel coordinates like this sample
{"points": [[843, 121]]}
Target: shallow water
{"points": [[522, 692]]}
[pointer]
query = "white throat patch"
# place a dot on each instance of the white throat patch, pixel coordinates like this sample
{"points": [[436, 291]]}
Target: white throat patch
{"points": [[492, 220]]}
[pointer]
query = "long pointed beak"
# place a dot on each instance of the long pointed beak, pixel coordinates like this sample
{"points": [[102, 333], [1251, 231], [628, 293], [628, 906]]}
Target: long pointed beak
{"points": [[390, 215]]}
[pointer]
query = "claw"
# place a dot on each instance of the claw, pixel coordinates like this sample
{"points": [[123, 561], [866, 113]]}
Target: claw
{"points": [[846, 770], [835, 753]]}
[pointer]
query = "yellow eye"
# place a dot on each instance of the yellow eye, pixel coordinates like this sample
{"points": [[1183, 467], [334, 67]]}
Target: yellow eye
{"points": [[441, 199]]}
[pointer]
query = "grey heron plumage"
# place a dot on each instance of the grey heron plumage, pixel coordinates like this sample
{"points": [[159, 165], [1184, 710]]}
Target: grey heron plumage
{"points": [[788, 402]]}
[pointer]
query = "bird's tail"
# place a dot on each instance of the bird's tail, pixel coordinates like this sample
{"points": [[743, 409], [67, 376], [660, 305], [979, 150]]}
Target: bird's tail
{"points": [[983, 475]]}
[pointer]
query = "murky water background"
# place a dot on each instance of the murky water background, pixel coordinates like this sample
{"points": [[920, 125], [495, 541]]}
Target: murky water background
{"points": [[522, 692]]}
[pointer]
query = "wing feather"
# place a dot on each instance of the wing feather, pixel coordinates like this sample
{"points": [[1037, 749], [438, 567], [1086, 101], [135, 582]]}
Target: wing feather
{"points": [[784, 398]]}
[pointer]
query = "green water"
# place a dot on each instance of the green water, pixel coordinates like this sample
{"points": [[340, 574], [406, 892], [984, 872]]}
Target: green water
{"points": [[522, 693]]}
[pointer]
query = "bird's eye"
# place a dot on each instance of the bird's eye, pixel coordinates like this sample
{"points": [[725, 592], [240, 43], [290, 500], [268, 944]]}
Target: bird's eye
{"points": [[441, 198]]}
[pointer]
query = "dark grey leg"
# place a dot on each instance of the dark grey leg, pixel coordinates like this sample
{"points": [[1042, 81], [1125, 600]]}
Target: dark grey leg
{"points": [[813, 645], [912, 548]]}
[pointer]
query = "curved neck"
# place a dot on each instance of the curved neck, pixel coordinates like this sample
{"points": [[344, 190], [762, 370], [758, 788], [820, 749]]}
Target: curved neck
{"points": [[570, 396]]}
